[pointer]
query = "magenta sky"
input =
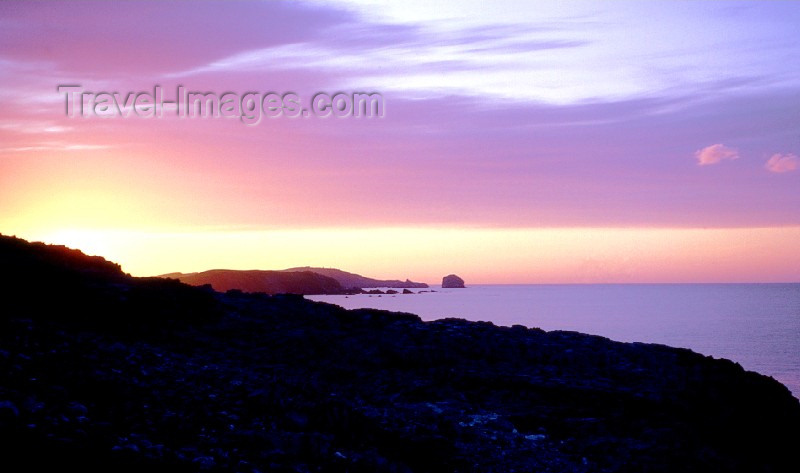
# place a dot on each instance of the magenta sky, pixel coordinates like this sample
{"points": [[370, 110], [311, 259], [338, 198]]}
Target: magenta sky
{"points": [[502, 116]]}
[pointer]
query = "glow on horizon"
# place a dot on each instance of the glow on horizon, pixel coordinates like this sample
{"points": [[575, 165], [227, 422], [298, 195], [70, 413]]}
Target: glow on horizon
{"points": [[480, 255]]}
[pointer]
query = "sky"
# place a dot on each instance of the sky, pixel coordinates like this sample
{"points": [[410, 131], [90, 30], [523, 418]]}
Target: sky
{"points": [[521, 142]]}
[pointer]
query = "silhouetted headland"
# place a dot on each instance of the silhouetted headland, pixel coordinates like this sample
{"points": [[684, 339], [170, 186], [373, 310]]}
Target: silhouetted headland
{"points": [[304, 281], [357, 281], [268, 282], [101, 371]]}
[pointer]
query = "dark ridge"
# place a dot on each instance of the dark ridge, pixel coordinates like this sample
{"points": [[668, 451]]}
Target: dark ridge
{"points": [[100, 371], [58, 283], [268, 282]]}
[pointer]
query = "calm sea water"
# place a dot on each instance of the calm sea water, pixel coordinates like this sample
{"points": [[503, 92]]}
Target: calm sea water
{"points": [[756, 325]]}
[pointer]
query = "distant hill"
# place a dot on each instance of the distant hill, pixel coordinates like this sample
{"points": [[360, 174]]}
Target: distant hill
{"points": [[352, 280], [270, 282]]}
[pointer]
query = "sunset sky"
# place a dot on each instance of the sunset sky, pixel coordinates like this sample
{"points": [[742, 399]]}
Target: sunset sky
{"points": [[522, 142]]}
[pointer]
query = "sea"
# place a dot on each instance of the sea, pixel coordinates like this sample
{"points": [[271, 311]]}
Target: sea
{"points": [[755, 325]]}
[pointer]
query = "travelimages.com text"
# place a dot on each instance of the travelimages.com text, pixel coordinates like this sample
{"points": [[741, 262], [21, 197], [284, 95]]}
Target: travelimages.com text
{"points": [[249, 107]]}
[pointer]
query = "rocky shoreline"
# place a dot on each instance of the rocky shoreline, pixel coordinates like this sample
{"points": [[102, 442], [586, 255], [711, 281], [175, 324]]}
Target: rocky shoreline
{"points": [[105, 372]]}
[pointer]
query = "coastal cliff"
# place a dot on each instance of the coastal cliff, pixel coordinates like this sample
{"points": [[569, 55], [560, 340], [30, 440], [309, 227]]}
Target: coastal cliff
{"points": [[105, 372]]}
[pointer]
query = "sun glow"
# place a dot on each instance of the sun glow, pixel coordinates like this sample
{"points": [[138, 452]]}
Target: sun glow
{"points": [[480, 255]]}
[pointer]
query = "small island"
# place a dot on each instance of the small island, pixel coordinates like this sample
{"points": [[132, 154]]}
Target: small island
{"points": [[452, 281]]}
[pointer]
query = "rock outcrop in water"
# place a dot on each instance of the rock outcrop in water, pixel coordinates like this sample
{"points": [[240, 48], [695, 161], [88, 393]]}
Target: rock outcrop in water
{"points": [[452, 281], [100, 371]]}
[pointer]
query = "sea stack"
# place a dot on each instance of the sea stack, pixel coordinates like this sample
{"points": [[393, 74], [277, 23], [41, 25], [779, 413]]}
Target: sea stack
{"points": [[452, 281]]}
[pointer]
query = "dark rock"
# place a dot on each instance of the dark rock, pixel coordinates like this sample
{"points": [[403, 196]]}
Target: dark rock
{"points": [[204, 463], [8, 411], [452, 282], [406, 291], [77, 409]]}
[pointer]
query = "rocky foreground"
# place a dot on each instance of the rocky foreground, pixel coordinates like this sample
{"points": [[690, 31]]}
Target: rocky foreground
{"points": [[103, 372]]}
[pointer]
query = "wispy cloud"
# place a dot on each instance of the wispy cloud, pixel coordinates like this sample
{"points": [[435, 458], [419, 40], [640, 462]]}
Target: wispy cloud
{"points": [[714, 154], [783, 163], [501, 61], [54, 146], [33, 127]]}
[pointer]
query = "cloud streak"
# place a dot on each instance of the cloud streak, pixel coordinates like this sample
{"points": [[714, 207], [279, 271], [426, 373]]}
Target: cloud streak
{"points": [[55, 146]]}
